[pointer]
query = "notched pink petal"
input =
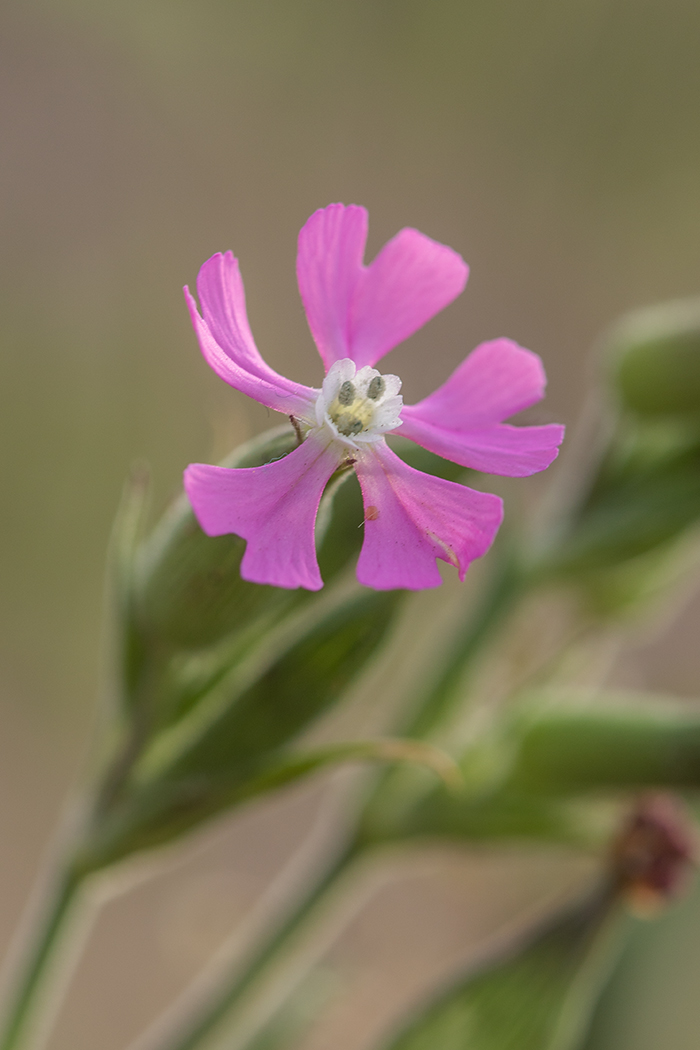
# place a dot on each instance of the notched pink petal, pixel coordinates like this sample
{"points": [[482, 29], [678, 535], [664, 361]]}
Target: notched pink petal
{"points": [[227, 344], [494, 382], [500, 448], [272, 507], [329, 265], [413, 518], [222, 298], [412, 279], [362, 312]]}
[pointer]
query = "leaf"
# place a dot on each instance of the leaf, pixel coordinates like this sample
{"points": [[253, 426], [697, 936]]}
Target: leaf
{"points": [[539, 996], [383, 750]]}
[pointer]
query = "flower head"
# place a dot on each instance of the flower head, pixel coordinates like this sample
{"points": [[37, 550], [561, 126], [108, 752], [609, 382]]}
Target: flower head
{"points": [[356, 314]]}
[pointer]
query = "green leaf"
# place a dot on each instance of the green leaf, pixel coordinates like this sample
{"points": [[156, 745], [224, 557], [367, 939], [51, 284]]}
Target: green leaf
{"points": [[390, 749], [540, 996]]}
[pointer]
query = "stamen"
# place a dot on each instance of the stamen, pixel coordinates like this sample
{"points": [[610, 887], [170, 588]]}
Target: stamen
{"points": [[349, 427], [361, 408], [347, 394], [376, 388]]}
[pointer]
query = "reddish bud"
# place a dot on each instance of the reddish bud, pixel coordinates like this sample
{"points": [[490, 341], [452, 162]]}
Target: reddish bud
{"points": [[652, 853]]}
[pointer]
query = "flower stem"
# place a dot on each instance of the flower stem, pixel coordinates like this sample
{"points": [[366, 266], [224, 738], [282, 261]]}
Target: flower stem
{"points": [[505, 588], [31, 985], [191, 1036]]}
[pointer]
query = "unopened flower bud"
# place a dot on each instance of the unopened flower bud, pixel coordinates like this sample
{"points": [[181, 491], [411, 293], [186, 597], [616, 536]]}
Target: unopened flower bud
{"points": [[656, 354], [189, 591], [652, 854]]}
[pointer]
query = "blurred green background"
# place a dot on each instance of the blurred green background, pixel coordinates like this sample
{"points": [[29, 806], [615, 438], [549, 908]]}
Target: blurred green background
{"points": [[553, 143]]}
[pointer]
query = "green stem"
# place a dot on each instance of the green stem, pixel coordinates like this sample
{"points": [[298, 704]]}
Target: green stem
{"points": [[191, 1036], [32, 982], [506, 586]]}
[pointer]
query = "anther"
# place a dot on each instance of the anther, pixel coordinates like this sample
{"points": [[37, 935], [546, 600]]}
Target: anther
{"points": [[376, 388], [350, 427], [346, 394]]}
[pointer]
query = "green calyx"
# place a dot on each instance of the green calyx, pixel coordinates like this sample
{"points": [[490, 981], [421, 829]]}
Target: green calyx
{"points": [[656, 360]]}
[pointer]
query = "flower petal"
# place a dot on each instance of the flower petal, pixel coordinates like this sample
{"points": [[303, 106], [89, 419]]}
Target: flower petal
{"points": [[413, 518], [273, 507], [363, 312], [494, 382], [228, 346], [412, 279], [329, 265], [497, 449]]}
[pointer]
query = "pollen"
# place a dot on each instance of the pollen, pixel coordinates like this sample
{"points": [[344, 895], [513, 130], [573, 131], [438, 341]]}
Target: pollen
{"points": [[352, 416]]}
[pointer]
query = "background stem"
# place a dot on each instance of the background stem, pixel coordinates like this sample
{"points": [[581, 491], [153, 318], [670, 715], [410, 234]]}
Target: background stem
{"points": [[191, 1035], [23, 1000], [503, 591]]}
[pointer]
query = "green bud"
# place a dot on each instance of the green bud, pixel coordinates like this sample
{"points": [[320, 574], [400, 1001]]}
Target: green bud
{"points": [[656, 359], [230, 746], [298, 686], [186, 616], [538, 775], [642, 498], [643, 495], [189, 590], [609, 747], [127, 533]]}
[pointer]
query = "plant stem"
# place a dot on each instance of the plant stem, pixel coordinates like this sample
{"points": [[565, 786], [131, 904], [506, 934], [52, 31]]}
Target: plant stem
{"points": [[31, 983], [505, 587], [191, 1036]]}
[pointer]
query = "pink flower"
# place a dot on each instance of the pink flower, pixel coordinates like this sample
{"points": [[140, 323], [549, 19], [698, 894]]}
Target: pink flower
{"points": [[356, 314]]}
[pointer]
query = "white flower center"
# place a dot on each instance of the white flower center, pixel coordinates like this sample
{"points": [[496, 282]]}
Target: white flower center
{"points": [[359, 407]]}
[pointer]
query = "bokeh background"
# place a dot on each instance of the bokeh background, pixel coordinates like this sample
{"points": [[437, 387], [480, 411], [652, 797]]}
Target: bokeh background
{"points": [[554, 143]]}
